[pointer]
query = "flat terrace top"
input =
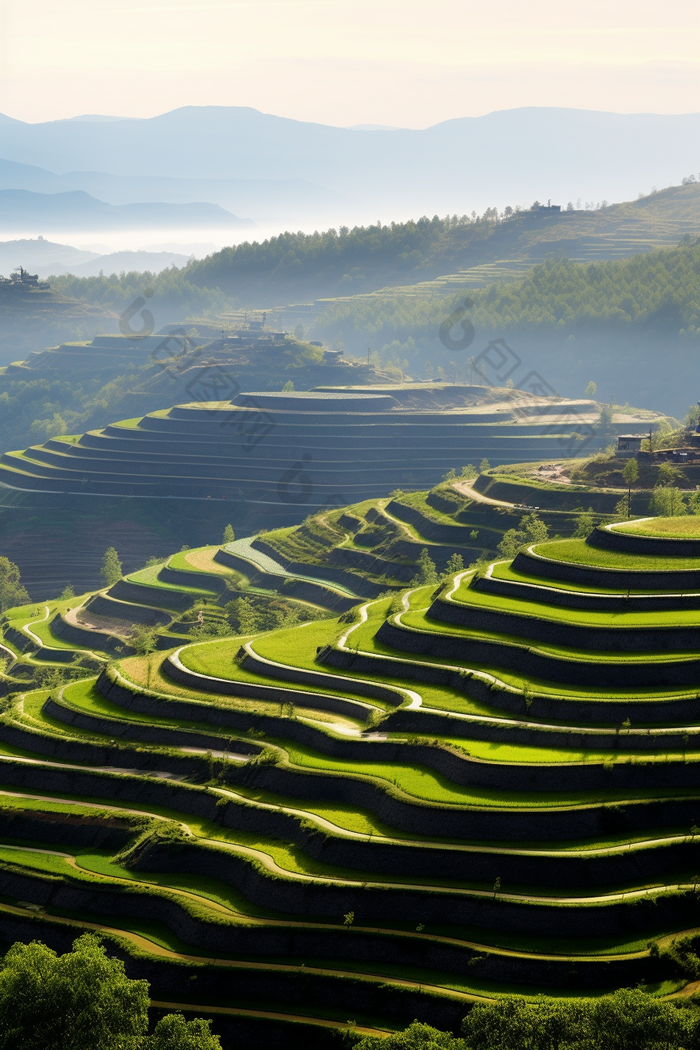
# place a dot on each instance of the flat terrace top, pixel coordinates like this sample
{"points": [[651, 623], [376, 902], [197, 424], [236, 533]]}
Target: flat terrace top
{"points": [[669, 528], [314, 395]]}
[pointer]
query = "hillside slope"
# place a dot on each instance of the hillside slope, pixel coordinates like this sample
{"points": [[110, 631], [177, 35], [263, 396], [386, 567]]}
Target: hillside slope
{"points": [[468, 251], [482, 787]]}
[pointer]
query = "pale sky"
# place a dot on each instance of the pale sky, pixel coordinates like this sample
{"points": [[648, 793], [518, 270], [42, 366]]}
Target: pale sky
{"points": [[344, 62]]}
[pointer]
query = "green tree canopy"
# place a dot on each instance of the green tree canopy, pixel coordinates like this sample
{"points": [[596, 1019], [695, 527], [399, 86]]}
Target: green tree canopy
{"points": [[173, 1032], [531, 530], [631, 472], [83, 1000], [111, 570], [11, 590], [629, 1019], [455, 563], [585, 523], [427, 572], [667, 501], [78, 1001], [416, 1037]]}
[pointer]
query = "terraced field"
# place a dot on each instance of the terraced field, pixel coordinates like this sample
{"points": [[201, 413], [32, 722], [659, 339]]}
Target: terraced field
{"points": [[324, 566], [274, 455], [436, 797]]}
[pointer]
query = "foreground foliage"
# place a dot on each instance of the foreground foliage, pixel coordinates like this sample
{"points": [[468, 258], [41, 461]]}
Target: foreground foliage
{"points": [[629, 1019], [12, 592], [83, 1000]]}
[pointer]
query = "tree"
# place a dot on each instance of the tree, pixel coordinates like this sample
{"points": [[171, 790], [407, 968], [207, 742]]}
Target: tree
{"points": [[590, 389], [144, 640], [202, 632], [667, 502], [83, 1000], [247, 618], [484, 465], [288, 387], [531, 530], [12, 592], [229, 534], [628, 1019], [631, 476], [622, 507], [77, 1001], [111, 570], [67, 593], [667, 474], [173, 1032], [416, 1037], [427, 572], [286, 617], [585, 523], [631, 472], [455, 563], [692, 417]]}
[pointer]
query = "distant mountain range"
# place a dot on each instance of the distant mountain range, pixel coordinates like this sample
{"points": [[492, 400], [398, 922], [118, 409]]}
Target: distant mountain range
{"points": [[46, 258], [265, 200], [22, 210], [507, 157]]}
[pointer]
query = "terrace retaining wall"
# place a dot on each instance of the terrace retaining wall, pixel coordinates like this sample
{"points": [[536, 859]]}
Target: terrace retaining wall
{"points": [[525, 660], [591, 602], [608, 579], [565, 709], [658, 637], [296, 941]]}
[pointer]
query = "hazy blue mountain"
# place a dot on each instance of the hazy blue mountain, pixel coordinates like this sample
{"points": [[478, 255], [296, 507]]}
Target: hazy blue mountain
{"points": [[47, 257], [260, 199], [21, 209], [129, 262], [511, 156], [42, 257]]}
